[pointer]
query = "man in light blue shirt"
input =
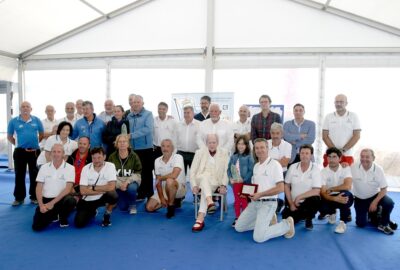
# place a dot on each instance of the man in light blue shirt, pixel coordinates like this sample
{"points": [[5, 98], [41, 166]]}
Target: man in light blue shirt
{"points": [[298, 132], [141, 124], [25, 131], [89, 126]]}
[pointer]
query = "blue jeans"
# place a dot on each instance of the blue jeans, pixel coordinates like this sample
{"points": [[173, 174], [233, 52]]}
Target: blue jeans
{"points": [[128, 197], [362, 208], [329, 207]]}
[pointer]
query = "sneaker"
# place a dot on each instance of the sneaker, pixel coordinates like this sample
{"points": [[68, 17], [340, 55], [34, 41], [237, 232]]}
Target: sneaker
{"points": [[170, 211], [133, 210], [55, 219], [332, 219], [291, 231], [17, 203], [341, 228], [106, 220], [309, 224], [385, 229], [64, 223], [234, 223], [274, 220], [34, 202], [393, 225]]}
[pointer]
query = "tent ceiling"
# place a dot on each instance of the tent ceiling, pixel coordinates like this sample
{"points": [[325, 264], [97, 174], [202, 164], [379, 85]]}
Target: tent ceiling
{"points": [[26, 24], [383, 11]]}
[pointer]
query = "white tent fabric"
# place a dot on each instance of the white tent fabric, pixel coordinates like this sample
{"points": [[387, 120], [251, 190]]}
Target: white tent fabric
{"points": [[8, 69], [171, 24], [277, 23]]}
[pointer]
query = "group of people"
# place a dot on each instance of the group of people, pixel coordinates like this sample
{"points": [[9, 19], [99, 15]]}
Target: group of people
{"points": [[85, 161]]}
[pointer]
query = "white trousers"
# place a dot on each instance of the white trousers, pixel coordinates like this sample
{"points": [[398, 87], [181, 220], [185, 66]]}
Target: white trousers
{"points": [[207, 189], [257, 216]]}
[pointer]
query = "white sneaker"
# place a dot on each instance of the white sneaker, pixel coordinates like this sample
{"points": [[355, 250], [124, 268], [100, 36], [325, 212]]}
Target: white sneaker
{"points": [[341, 228], [291, 231], [133, 210], [332, 219]]}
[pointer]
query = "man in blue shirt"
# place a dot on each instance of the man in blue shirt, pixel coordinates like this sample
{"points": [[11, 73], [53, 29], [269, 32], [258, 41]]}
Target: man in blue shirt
{"points": [[298, 132], [141, 125], [25, 131], [89, 126]]}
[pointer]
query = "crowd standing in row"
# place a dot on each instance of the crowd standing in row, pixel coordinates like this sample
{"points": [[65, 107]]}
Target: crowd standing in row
{"points": [[88, 161]]}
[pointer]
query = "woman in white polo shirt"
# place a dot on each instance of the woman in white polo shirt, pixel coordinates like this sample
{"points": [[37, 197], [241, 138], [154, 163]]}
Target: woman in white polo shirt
{"points": [[64, 129]]}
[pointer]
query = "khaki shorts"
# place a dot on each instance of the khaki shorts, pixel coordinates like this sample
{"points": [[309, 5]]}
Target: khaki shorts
{"points": [[180, 193]]}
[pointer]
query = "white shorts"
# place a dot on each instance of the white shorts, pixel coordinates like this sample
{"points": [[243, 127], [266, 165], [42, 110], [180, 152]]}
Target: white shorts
{"points": [[180, 193]]}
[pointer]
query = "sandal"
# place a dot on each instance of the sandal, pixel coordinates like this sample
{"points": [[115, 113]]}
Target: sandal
{"points": [[198, 226], [211, 208]]}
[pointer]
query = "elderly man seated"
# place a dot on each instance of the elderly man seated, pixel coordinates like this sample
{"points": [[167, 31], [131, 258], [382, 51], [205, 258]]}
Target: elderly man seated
{"points": [[208, 175]]}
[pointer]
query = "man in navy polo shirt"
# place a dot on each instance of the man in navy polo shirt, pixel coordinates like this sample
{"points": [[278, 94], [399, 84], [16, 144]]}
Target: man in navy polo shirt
{"points": [[25, 131], [89, 126]]}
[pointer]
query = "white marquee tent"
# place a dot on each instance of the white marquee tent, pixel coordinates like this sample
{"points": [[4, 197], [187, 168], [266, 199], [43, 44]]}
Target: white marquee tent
{"points": [[294, 50]]}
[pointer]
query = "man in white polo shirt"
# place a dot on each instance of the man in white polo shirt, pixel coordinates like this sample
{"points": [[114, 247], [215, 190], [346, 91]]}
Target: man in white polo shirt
{"points": [[335, 190], [54, 183], [97, 187], [370, 188], [341, 129], [279, 149], [302, 188], [261, 211], [170, 180]]}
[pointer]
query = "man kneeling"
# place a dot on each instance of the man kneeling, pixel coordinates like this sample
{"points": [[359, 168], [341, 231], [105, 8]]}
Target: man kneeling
{"points": [[259, 215], [170, 184], [54, 182], [97, 186]]}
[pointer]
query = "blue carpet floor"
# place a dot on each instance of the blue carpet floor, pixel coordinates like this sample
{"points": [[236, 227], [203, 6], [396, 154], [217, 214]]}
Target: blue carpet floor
{"points": [[150, 241]]}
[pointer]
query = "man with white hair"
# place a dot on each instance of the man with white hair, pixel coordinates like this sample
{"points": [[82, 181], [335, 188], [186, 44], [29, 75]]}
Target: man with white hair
{"points": [[216, 125], [341, 129], [208, 175], [79, 109], [370, 193], [48, 124], [141, 126], [108, 112], [54, 183], [70, 116], [279, 149], [170, 180]]}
